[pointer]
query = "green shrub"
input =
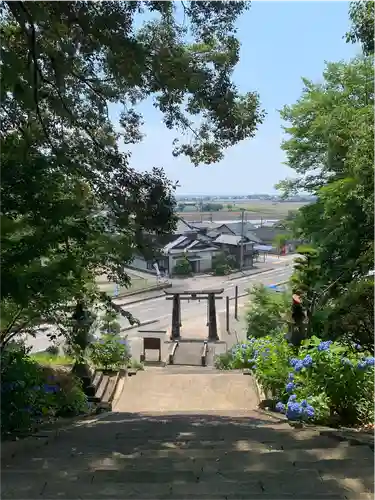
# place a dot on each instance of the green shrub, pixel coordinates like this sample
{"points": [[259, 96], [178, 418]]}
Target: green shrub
{"points": [[267, 311], [110, 352], [225, 361], [182, 267], [71, 400], [223, 264], [344, 375], [325, 383], [136, 365], [109, 324], [31, 393]]}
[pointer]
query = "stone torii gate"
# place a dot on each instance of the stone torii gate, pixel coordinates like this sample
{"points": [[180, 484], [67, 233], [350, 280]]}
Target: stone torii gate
{"points": [[178, 295]]}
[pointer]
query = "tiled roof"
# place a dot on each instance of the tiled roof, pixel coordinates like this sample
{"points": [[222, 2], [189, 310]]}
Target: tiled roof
{"points": [[228, 239]]}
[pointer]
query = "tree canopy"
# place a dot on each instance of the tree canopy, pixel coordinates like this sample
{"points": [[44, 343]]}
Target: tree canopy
{"points": [[329, 146], [362, 15], [71, 202]]}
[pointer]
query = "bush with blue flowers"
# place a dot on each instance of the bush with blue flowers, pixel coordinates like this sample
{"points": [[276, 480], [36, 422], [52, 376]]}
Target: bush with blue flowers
{"points": [[31, 393], [110, 352], [326, 382]]}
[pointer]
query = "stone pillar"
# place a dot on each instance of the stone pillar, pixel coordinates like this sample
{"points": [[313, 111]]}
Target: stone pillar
{"points": [[176, 317], [212, 326]]}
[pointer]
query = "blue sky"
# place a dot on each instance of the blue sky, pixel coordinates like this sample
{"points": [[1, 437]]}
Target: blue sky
{"points": [[281, 42]]}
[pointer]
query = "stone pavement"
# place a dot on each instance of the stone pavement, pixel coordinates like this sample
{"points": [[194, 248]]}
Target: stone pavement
{"points": [[189, 436]]}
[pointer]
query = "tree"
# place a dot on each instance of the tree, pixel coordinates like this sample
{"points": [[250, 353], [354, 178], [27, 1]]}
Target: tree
{"points": [[280, 241], [71, 204], [332, 129], [351, 316], [182, 267], [223, 263], [212, 207], [267, 312], [362, 30]]}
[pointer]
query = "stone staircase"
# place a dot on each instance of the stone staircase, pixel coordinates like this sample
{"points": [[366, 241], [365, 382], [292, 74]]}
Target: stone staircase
{"points": [[189, 434]]}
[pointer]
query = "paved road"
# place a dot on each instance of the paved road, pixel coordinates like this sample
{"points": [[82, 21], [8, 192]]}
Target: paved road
{"points": [[161, 309]]}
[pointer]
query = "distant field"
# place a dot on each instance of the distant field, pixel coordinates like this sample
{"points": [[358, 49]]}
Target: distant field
{"points": [[254, 211]]}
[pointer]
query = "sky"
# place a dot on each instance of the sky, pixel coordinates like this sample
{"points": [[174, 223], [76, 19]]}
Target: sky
{"points": [[280, 43]]}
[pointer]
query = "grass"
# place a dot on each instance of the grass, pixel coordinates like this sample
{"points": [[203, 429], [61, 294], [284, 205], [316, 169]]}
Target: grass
{"points": [[137, 283], [47, 359]]}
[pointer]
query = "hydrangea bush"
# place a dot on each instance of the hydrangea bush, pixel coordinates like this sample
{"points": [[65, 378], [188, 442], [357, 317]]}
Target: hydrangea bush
{"points": [[325, 382], [110, 352], [30, 394]]}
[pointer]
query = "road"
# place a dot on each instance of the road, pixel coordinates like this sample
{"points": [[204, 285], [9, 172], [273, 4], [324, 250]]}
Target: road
{"points": [[160, 309]]}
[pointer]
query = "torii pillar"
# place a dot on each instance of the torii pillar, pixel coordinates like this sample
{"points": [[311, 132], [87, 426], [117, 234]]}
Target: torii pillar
{"points": [[212, 323], [176, 317]]}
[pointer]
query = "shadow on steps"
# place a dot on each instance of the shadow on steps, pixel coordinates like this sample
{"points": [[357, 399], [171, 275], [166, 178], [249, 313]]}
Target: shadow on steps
{"points": [[190, 456]]}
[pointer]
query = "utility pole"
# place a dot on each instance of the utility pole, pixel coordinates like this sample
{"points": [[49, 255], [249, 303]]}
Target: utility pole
{"points": [[242, 238]]}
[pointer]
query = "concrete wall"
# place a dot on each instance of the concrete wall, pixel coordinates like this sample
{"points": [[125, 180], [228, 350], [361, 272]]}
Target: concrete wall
{"points": [[206, 261], [140, 263]]}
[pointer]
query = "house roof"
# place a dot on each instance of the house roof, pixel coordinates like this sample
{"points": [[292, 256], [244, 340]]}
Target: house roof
{"points": [[183, 243], [183, 227], [236, 227], [228, 239], [206, 225], [267, 233], [234, 239]]}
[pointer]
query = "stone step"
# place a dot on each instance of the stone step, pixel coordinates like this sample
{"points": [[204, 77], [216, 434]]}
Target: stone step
{"points": [[210, 460], [128, 445], [93, 495], [301, 484]]}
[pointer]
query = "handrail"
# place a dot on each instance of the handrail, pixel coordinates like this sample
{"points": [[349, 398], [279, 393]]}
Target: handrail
{"points": [[173, 352], [204, 353]]}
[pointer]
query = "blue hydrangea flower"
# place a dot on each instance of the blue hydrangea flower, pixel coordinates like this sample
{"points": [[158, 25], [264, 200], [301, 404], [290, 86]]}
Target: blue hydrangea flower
{"points": [[298, 366], [293, 411], [290, 377], [308, 411], [293, 362], [307, 361], [362, 364], [324, 346], [304, 403], [289, 387], [280, 407], [50, 389], [358, 347], [370, 361], [292, 398]]}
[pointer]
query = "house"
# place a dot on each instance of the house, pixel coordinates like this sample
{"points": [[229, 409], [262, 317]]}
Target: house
{"points": [[232, 244], [199, 243], [186, 241], [268, 235]]}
